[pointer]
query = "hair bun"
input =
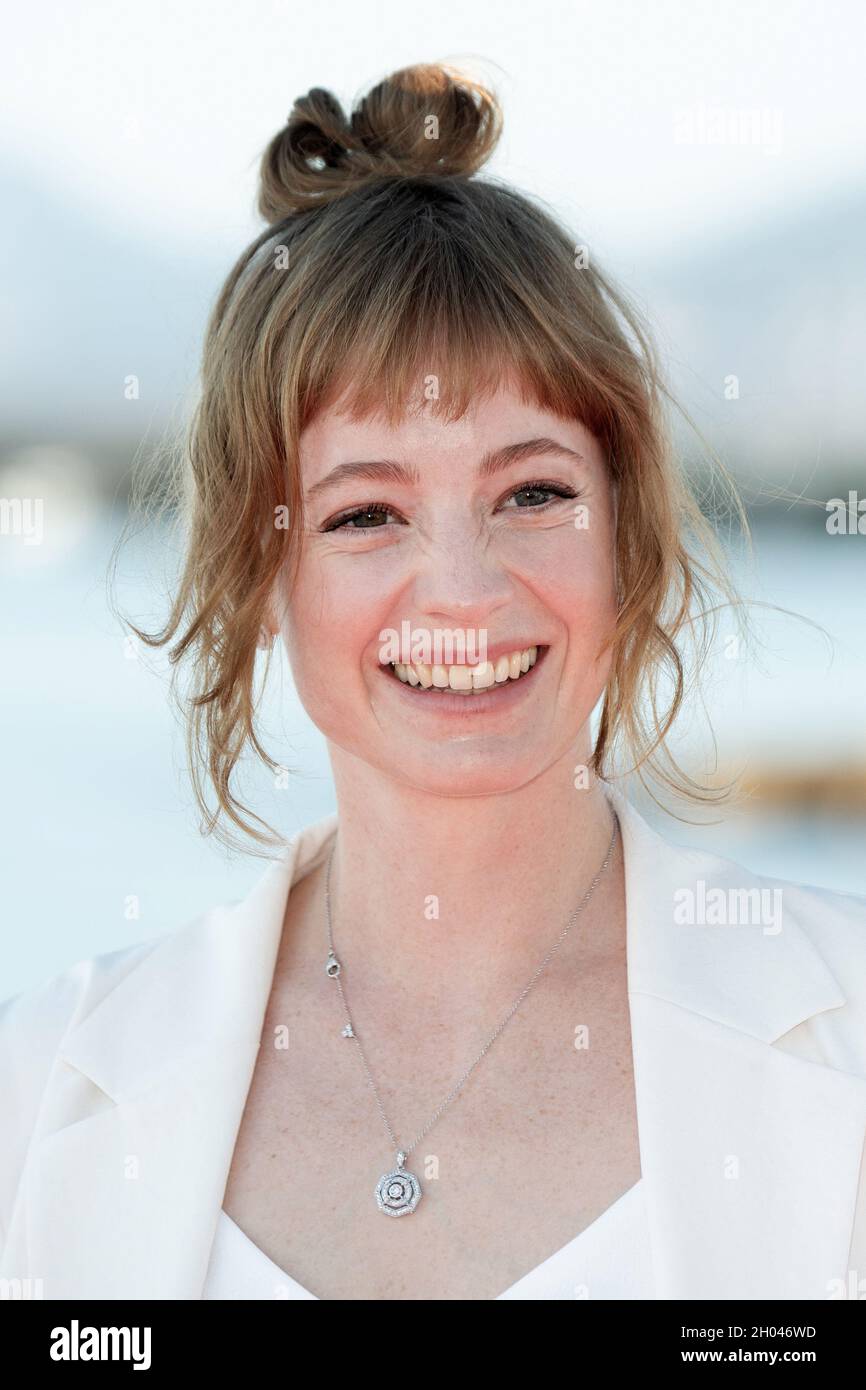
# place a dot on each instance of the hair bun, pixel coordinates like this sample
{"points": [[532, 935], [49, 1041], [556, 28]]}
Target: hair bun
{"points": [[427, 119]]}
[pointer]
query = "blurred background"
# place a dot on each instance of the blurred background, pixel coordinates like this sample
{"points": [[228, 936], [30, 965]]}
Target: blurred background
{"points": [[713, 159]]}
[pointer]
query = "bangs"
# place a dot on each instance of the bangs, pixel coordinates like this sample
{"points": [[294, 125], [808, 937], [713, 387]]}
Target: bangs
{"points": [[438, 318]]}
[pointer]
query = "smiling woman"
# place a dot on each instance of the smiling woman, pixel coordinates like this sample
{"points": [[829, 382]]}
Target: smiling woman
{"points": [[401, 322], [424, 406]]}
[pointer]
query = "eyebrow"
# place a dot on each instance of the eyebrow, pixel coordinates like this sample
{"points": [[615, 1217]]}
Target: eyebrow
{"points": [[391, 471]]}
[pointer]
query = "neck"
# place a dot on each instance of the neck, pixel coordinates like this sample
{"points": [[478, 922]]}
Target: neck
{"points": [[442, 896]]}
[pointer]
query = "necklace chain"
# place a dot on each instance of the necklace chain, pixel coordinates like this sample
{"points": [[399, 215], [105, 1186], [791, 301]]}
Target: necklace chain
{"points": [[335, 971]]}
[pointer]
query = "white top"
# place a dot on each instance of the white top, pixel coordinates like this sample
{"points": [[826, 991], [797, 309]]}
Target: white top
{"points": [[609, 1259]]}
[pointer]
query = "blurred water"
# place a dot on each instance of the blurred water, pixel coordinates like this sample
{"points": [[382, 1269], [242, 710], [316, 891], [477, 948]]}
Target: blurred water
{"points": [[97, 811]]}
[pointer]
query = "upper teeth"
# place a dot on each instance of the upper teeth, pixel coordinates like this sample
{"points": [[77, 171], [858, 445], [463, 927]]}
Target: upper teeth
{"points": [[468, 678]]}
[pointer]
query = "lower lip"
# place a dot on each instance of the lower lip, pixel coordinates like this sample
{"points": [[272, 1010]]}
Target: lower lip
{"points": [[496, 697]]}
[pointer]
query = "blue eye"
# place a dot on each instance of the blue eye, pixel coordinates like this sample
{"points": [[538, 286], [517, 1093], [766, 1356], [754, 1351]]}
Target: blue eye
{"points": [[346, 521], [559, 490]]}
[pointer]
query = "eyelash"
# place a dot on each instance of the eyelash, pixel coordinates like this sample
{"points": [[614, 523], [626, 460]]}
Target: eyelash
{"points": [[561, 490]]}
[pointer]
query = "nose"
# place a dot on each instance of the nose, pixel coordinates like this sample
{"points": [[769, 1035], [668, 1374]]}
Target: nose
{"points": [[461, 579]]}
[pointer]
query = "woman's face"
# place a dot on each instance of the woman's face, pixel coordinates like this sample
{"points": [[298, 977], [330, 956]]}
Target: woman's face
{"points": [[448, 527]]}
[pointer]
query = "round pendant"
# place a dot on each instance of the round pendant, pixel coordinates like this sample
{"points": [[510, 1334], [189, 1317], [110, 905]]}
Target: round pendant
{"points": [[398, 1192]]}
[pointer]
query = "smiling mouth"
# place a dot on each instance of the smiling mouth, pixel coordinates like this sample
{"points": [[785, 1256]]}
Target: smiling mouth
{"points": [[484, 679]]}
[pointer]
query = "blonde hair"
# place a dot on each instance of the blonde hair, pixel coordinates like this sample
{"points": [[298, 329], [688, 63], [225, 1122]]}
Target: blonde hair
{"points": [[385, 260]]}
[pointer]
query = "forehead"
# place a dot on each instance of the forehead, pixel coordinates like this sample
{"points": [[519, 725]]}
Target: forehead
{"points": [[496, 418]]}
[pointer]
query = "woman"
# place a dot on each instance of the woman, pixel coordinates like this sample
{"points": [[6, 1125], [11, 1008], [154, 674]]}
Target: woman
{"points": [[485, 998]]}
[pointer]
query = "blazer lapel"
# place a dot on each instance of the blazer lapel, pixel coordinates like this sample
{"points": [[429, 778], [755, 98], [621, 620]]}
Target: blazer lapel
{"points": [[750, 1152], [124, 1188]]}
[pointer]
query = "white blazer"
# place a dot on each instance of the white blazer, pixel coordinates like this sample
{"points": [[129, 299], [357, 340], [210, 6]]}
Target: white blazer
{"points": [[123, 1082]]}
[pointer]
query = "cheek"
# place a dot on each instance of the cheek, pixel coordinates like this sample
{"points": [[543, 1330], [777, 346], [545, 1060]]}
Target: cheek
{"points": [[574, 574], [330, 621]]}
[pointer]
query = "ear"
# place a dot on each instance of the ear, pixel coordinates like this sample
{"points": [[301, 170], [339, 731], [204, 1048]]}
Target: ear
{"points": [[270, 625], [271, 618]]}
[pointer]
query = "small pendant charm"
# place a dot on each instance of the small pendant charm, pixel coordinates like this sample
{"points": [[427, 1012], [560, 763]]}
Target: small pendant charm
{"points": [[333, 966], [348, 1031], [398, 1192]]}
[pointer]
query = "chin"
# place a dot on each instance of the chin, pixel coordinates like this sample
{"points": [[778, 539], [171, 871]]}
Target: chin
{"points": [[459, 770]]}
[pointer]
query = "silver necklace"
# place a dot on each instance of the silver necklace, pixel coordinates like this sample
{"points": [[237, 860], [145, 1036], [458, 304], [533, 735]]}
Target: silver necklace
{"points": [[398, 1192]]}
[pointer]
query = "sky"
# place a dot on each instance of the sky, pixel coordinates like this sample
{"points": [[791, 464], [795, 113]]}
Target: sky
{"points": [[152, 115]]}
